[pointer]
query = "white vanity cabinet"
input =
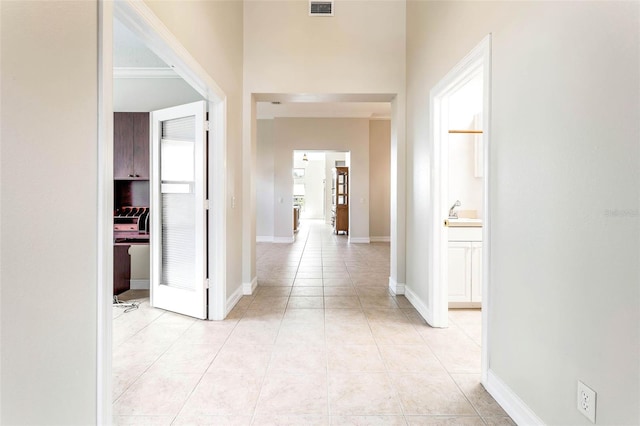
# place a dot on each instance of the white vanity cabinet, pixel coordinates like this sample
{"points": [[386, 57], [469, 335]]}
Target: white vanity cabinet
{"points": [[465, 267]]}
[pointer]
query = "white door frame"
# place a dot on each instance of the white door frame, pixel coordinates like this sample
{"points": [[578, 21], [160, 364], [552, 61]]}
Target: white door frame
{"points": [[478, 59], [137, 16]]}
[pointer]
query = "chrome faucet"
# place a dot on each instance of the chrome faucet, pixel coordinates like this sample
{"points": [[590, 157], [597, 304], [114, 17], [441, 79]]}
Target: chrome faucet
{"points": [[452, 214]]}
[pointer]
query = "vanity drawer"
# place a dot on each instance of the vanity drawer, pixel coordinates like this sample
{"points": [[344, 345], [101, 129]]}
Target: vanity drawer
{"points": [[472, 233]]}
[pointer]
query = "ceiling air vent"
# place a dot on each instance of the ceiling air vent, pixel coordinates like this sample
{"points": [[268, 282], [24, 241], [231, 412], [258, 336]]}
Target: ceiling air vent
{"points": [[320, 8]]}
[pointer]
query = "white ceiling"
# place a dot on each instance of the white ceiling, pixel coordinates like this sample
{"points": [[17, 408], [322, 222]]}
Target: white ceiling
{"points": [[130, 52]]}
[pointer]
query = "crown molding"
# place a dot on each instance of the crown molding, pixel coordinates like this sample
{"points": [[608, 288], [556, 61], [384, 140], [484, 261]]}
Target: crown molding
{"points": [[139, 72]]}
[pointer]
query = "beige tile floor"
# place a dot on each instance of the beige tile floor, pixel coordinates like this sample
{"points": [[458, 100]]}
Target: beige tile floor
{"points": [[321, 342]]}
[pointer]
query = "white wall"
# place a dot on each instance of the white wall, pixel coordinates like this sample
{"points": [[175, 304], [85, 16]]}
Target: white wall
{"points": [[314, 189], [464, 186], [140, 263], [48, 250], [465, 108], [360, 50], [217, 46], [379, 178], [564, 181], [264, 180]]}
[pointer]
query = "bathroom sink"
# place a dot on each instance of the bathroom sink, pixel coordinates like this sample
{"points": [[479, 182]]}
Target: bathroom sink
{"points": [[463, 222]]}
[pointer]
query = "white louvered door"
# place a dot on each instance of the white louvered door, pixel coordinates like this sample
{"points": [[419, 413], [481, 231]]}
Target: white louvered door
{"points": [[178, 213]]}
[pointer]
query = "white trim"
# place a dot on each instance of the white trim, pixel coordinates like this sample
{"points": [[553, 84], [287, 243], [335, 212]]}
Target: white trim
{"points": [[420, 306], [233, 300], [486, 211], [510, 401], [283, 240], [137, 72], [398, 189], [104, 332], [359, 240], [139, 284], [218, 213], [249, 288], [438, 279], [264, 239], [380, 239], [396, 287], [465, 305]]}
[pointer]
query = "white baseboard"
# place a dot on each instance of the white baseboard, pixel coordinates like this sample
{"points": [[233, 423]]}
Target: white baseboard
{"points": [[139, 284], [510, 401], [417, 303], [264, 239], [288, 240], [248, 288], [359, 240], [233, 300], [380, 239], [396, 287]]}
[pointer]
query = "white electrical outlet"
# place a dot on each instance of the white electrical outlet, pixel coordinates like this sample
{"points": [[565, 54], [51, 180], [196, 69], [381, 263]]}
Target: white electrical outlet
{"points": [[587, 401]]}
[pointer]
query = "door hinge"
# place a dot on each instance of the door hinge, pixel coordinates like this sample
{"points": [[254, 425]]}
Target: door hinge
{"points": [[207, 125], [206, 283], [207, 205]]}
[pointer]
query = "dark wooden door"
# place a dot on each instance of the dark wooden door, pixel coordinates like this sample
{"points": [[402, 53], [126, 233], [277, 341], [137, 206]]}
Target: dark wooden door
{"points": [[123, 146]]}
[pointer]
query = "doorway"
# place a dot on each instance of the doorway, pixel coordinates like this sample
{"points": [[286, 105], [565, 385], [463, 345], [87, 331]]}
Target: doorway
{"points": [[268, 182], [460, 106], [142, 84], [315, 190], [152, 33]]}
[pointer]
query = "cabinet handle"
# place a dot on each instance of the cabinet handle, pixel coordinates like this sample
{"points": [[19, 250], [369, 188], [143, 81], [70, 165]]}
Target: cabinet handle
{"points": [[130, 175], [137, 175]]}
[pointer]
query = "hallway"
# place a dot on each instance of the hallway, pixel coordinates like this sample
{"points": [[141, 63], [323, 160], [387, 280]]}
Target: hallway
{"points": [[321, 342]]}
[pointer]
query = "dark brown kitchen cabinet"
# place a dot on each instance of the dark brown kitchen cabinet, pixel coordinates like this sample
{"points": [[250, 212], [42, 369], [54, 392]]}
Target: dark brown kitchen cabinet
{"points": [[121, 269], [131, 145]]}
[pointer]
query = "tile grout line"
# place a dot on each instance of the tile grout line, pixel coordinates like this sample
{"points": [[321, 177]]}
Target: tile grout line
{"points": [[326, 346], [153, 362], [205, 370], [449, 374], [264, 378]]}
